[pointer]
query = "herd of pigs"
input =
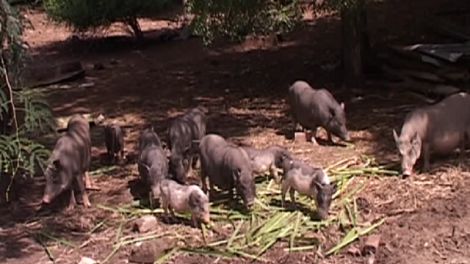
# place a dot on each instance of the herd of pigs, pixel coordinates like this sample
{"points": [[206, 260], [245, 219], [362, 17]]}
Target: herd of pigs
{"points": [[441, 128]]}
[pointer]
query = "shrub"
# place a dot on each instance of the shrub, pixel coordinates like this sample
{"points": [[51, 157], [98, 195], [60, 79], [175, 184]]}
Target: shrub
{"points": [[19, 153], [238, 18], [83, 15]]}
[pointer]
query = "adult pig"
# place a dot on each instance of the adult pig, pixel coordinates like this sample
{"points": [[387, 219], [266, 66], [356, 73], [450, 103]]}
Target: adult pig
{"points": [[227, 167], [69, 163], [307, 180], [175, 196], [267, 159], [313, 108], [153, 168], [114, 140], [438, 128], [184, 130]]}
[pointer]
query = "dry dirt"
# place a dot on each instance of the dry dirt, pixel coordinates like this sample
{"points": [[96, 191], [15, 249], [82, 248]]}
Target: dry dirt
{"points": [[244, 87]]}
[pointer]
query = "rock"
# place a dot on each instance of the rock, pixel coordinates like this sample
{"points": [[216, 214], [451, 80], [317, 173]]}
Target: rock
{"points": [[86, 260], [354, 251], [150, 251], [145, 224], [302, 136], [371, 245], [98, 66]]}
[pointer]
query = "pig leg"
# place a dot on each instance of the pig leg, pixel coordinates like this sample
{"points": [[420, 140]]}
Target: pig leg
{"points": [[190, 165], [196, 162], [462, 149], [72, 201], [121, 154], [204, 180], [273, 172], [330, 138], [284, 188], [314, 136], [81, 190], [194, 219], [292, 197], [426, 156], [165, 209]]}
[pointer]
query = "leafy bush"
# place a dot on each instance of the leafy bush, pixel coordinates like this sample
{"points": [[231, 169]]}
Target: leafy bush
{"points": [[21, 111], [84, 15], [238, 18]]}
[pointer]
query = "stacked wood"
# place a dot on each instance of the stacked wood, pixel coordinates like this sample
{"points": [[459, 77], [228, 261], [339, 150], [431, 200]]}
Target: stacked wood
{"points": [[408, 69]]}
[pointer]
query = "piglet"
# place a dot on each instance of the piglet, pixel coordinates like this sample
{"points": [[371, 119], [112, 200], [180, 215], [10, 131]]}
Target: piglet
{"points": [[304, 179], [114, 140], [175, 196]]}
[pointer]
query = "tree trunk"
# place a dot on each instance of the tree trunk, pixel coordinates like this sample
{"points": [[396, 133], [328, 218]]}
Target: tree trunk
{"points": [[354, 38], [134, 24]]}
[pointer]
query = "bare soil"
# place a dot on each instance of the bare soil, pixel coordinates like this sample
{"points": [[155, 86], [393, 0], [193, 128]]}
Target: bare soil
{"points": [[244, 87]]}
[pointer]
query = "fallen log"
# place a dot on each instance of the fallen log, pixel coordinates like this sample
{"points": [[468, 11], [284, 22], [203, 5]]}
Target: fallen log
{"points": [[45, 75]]}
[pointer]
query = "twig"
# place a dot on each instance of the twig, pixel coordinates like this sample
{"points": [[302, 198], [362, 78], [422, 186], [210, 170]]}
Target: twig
{"points": [[15, 122]]}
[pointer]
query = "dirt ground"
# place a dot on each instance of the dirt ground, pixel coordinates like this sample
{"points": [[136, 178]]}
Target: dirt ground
{"points": [[244, 87]]}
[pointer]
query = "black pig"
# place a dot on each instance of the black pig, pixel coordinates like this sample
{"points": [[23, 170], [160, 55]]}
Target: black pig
{"points": [[227, 167], [67, 168], [313, 108], [114, 140], [184, 130]]}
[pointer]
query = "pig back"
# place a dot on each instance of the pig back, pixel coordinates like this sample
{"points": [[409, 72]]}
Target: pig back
{"points": [[71, 155], [78, 135], [155, 159], [212, 149], [443, 124], [234, 158], [305, 105], [114, 137], [199, 120]]}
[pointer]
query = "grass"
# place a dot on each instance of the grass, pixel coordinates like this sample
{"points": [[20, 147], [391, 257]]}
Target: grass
{"points": [[268, 224]]}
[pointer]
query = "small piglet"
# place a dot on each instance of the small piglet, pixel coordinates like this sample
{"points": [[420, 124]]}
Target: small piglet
{"points": [[184, 130], [114, 140], [67, 168], [152, 163], [313, 108], [175, 196], [227, 167], [438, 128], [267, 159], [307, 180]]}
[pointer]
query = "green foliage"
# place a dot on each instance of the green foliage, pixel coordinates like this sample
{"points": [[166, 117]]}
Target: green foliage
{"points": [[21, 154], [345, 4], [84, 15], [238, 18], [18, 152]]}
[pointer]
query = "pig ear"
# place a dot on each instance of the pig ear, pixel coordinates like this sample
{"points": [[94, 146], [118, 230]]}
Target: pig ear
{"points": [[415, 138], [342, 105], [192, 200], [334, 187], [147, 168], [56, 164], [395, 136], [319, 186]]}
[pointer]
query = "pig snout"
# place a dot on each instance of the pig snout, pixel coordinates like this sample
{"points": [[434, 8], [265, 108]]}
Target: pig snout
{"points": [[46, 199], [322, 213], [407, 171], [407, 167], [206, 219]]}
